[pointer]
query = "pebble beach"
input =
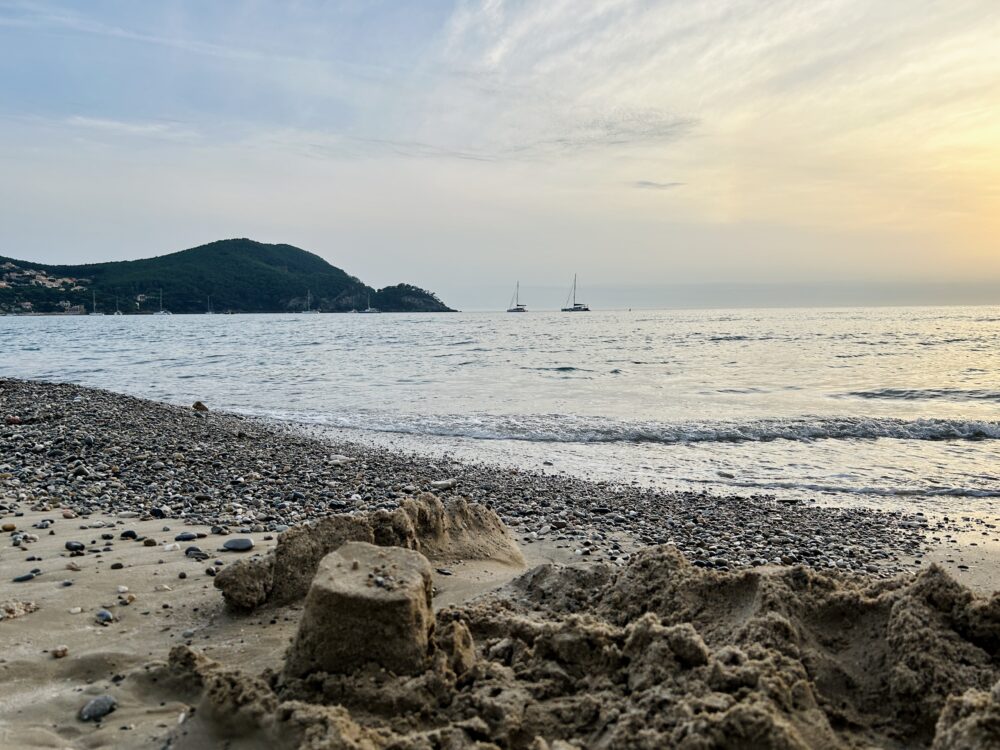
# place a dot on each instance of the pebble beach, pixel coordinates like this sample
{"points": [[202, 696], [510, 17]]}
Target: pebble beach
{"points": [[88, 450], [120, 516]]}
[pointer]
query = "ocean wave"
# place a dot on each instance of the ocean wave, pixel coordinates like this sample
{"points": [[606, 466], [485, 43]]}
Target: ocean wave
{"points": [[555, 428], [920, 394], [928, 491]]}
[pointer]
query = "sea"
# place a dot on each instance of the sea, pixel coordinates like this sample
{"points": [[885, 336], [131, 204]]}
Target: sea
{"points": [[885, 407]]}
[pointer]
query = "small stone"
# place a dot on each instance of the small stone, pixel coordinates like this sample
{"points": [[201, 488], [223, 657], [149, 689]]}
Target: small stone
{"points": [[182, 575], [59, 652], [123, 589], [97, 708], [117, 566], [75, 610], [185, 536], [199, 406], [25, 578], [241, 544], [149, 542], [9, 526], [75, 546], [104, 617], [128, 534]]}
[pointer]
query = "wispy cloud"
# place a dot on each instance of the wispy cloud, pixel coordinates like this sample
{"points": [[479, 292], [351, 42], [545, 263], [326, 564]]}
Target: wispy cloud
{"points": [[166, 130], [651, 185]]}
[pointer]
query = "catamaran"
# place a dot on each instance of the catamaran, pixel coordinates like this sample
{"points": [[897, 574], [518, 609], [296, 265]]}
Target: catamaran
{"points": [[161, 311], [577, 306], [515, 302], [309, 310]]}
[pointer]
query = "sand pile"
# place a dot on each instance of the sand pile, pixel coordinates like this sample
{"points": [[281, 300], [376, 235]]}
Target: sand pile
{"points": [[456, 530], [657, 654]]}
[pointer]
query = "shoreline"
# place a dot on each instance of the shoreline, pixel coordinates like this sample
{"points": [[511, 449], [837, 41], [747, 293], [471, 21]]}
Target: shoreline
{"points": [[252, 473]]}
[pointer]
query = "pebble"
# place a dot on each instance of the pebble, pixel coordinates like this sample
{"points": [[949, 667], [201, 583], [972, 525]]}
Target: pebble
{"points": [[59, 652], [97, 708], [104, 617], [75, 610], [75, 546], [185, 536], [240, 544]]}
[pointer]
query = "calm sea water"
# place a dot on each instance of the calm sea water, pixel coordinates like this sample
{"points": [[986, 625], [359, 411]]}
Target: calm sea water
{"points": [[881, 406]]}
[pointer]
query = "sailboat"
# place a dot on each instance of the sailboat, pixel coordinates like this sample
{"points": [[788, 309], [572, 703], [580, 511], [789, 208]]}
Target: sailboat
{"points": [[370, 309], [94, 304], [515, 302], [161, 311], [309, 310], [117, 309], [210, 311], [577, 306]]}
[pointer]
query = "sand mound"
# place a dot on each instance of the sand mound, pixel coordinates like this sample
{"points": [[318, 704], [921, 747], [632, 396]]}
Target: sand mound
{"points": [[458, 530], [667, 655]]}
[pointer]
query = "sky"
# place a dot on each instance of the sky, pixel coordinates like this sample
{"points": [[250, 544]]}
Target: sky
{"points": [[460, 146]]}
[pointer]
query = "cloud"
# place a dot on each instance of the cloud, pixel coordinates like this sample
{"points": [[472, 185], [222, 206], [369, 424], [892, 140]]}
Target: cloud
{"points": [[651, 185], [166, 130]]}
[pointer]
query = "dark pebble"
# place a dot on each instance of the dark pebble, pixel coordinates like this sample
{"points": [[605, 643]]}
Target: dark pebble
{"points": [[97, 708], [241, 544]]}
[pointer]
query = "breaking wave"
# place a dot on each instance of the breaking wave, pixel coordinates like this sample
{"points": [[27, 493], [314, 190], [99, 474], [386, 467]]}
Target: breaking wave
{"points": [[569, 429], [921, 394]]}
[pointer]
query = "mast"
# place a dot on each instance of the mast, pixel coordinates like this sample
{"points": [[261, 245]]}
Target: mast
{"points": [[161, 299], [574, 290], [94, 298], [517, 293]]}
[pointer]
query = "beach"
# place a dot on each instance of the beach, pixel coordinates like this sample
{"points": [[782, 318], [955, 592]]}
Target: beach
{"points": [[105, 496]]}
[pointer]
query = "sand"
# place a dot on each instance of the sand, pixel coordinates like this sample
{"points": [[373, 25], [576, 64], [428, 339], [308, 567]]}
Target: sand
{"points": [[40, 695], [655, 654]]}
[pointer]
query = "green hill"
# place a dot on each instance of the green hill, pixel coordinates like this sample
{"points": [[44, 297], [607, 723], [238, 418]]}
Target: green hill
{"points": [[240, 275]]}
